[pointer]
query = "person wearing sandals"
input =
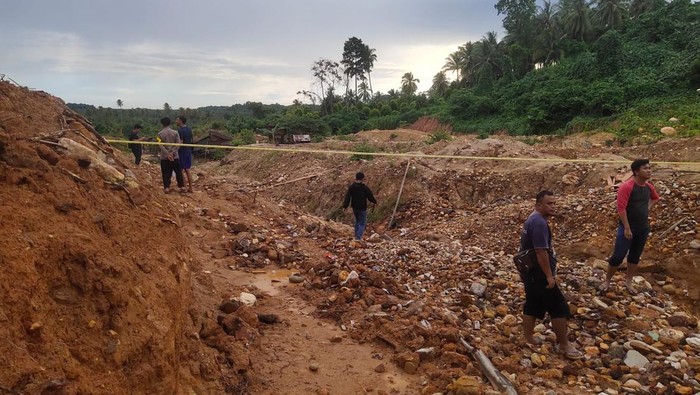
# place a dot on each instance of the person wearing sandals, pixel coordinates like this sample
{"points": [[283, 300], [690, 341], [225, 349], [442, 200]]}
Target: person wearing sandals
{"points": [[169, 160], [635, 198], [185, 153], [542, 294]]}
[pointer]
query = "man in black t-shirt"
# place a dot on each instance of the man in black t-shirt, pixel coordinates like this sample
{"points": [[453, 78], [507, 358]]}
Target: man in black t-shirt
{"points": [[357, 196], [136, 149]]}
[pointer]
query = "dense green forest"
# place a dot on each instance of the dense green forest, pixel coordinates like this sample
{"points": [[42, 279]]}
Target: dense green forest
{"points": [[613, 65]]}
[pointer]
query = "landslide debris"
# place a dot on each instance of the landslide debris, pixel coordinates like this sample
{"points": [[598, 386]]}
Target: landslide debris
{"points": [[96, 293], [445, 270]]}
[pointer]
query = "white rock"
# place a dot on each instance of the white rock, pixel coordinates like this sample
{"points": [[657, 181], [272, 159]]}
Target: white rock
{"points": [[693, 342], [247, 299], [695, 244], [635, 359], [477, 289]]}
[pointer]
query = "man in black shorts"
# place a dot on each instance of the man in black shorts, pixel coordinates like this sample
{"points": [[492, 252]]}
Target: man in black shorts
{"points": [[542, 294], [635, 198]]}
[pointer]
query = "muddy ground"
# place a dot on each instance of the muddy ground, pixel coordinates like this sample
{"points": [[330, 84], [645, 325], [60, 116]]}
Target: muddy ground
{"points": [[111, 286]]}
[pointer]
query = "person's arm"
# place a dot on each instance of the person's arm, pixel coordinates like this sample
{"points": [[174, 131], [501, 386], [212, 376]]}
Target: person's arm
{"points": [[164, 152], [653, 196], [623, 198], [370, 196], [543, 261], [540, 242], [346, 201]]}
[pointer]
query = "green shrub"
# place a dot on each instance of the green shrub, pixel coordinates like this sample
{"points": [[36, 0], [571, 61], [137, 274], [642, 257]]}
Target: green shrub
{"points": [[364, 147]]}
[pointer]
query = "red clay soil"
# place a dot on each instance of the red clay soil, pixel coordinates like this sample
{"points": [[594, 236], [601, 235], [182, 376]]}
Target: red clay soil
{"points": [[95, 289]]}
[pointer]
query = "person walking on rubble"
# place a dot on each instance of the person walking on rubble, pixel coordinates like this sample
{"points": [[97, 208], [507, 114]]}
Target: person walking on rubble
{"points": [[169, 160], [542, 293], [136, 149], [185, 153], [357, 196], [635, 198]]}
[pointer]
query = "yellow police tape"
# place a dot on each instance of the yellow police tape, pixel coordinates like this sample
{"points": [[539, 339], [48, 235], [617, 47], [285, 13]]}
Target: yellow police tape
{"points": [[401, 155]]}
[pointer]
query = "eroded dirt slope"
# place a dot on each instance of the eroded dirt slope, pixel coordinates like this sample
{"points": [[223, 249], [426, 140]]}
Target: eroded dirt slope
{"points": [[95, 291]]}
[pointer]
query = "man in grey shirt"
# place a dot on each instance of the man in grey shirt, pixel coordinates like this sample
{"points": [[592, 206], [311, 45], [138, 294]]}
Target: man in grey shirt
{"points": [[169, 160]]}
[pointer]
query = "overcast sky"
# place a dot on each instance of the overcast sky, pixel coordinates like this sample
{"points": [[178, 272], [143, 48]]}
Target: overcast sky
{"points": [[223, 52]]}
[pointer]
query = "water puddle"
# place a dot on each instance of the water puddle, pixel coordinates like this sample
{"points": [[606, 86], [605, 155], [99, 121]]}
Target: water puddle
{"points": [[268, 281]]}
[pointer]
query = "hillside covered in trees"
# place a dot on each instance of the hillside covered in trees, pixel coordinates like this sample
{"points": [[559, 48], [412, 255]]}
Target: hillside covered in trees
{"points": [[619, 66]]}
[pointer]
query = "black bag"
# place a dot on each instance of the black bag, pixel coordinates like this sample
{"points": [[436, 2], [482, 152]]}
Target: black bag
{"points": [[525, 261]]}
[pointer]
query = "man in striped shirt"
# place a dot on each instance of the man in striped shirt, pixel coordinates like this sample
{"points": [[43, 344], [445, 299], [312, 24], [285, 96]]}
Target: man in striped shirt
{"points": [[635, 198]]}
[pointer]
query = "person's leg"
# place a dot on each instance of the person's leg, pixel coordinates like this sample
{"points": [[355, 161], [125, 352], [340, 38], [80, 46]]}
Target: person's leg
{"points": [[639, 240], [560, 329], [165, 171], [137, 157], [189, 180], [533, 307], [362, 220], [622, 246], [529, 328], [357, 214], [558, 309], [178, 174]]}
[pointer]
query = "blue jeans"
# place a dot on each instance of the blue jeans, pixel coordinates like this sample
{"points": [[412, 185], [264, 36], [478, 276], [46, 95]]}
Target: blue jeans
{"points": [[631, 248], [360, 222]]}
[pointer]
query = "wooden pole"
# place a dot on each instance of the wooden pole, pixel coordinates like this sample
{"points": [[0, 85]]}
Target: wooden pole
{"points": [[398, 198], [496, 378]]}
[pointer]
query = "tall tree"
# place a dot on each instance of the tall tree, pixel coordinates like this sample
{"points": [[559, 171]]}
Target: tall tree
{"points": [[610, 13], [369, 56], [548, 36], [440, 85], [409, 84], [489, 58], [518, 20], [353, 55], [454, 62], [576, 18], [120, 103], [363, 92], [166, 107], [327, 75], [639, 7]]}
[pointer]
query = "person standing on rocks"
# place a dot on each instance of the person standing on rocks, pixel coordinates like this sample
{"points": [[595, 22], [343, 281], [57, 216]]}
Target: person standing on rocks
{"points": [[136, 149], [357, 196], [169, 160], [542, 294], [185, 153], [635, 198]]}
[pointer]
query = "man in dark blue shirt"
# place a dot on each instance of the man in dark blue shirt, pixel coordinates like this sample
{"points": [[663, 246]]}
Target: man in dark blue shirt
{"points": [[185, 153], [542, 294]]}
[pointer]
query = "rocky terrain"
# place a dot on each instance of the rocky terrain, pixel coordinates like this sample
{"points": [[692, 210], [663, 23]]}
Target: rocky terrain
{"points": [[253, 283]]}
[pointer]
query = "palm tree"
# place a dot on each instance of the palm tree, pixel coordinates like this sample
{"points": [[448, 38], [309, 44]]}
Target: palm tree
{"points": [[639, 7], [466, 52], [454, 62], [120, 103], [548, 35], [409, 84], [440, 85], [363, 92], [576, 18], [610, 13], [489, 58], [369, 56]]}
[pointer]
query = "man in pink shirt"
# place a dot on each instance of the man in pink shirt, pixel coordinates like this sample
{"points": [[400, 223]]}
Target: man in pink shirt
{"points": [[634, 199]]}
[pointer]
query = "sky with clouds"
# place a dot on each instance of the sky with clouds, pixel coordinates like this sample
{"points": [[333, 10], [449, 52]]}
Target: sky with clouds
{"points": [[222, 52]]}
